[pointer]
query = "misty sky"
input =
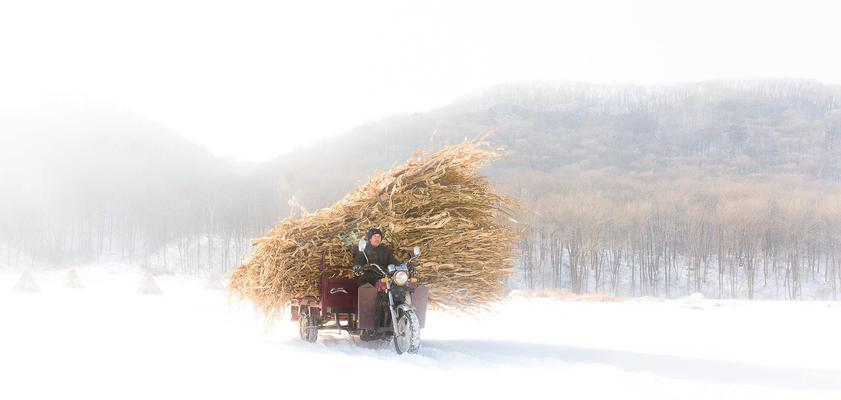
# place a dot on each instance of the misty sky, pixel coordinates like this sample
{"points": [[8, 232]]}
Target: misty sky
{"points": [[254, 79]]}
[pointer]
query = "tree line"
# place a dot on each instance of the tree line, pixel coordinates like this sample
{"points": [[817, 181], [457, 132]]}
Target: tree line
{"points": [[723, 237]]}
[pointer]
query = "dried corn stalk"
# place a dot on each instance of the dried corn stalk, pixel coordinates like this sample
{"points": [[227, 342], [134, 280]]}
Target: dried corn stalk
{"points": [[436, 201]]}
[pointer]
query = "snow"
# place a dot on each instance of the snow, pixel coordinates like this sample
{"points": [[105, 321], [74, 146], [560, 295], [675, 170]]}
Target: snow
{"points": [[105, 341]]}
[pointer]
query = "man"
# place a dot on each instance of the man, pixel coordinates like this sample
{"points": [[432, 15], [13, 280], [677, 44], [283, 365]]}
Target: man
{"points": [[381, 255], [377, 253]]}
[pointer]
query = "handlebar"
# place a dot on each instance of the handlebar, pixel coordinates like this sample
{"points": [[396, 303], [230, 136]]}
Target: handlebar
{"points": [[372, 266]]}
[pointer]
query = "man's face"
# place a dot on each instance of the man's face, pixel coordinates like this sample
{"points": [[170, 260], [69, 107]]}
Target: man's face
{"points": [[376, 239]]}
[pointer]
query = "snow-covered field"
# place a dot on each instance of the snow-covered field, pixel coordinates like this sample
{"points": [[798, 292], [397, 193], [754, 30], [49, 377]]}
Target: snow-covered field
{"points": [[105, 341]]}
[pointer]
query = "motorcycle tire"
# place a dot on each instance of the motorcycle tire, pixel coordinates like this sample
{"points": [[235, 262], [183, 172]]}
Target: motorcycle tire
{"points": [[407, 337], [306, 326]]}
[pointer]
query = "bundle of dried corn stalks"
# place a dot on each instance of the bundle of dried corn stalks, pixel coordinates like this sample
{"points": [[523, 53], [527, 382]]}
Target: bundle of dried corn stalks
{"points": [[436, 201]]}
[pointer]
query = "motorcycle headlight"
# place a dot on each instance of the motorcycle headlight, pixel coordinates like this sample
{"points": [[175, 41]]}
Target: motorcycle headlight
{"points": [[400, 278]]}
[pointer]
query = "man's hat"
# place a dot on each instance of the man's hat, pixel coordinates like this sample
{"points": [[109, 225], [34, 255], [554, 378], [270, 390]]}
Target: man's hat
{"points": [[372, 232]]}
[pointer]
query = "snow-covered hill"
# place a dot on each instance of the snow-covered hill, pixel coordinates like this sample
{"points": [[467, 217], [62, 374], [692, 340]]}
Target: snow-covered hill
{"points": [[106, 341]]}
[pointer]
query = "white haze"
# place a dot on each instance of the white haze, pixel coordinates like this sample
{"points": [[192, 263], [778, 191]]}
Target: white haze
{"points": [[255, 79]]}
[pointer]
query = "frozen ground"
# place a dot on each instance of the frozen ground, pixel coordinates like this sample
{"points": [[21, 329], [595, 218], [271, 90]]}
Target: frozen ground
{"points": [[105, 341]]}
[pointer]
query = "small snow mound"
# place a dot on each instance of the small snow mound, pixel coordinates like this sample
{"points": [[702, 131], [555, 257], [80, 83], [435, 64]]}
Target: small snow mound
{"points": [[647, 299], [214, 282], [72, 281], [26, 284], [149, 286], [696, 296]]}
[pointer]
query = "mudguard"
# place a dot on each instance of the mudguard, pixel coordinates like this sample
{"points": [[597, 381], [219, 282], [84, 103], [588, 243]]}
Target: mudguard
{"points": [[366, 306], [420, 298]]}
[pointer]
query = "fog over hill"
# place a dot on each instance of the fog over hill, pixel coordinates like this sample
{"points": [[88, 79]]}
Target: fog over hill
{"points": [[741, 128], [84, 181], [627, 188]]}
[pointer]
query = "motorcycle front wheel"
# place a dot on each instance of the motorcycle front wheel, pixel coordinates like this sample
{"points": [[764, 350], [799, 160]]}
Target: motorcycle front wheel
{"points": [[407, 337]]}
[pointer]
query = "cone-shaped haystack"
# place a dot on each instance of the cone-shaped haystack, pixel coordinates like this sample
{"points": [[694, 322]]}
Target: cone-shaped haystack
{"points": [[72, 280], [435, 201], [214, 282], [26, 284], [149, 286]]}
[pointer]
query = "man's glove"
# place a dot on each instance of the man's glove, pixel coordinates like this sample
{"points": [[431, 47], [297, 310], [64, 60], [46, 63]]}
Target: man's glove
{"points": [[357, 270]]}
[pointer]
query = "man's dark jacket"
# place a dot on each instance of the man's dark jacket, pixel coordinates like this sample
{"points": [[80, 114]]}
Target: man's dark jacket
{"points": [[381, 255]]}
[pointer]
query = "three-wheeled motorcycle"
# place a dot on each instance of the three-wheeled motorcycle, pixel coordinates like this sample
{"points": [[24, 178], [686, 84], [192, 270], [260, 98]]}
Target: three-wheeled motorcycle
{"points": [[394, 308]]}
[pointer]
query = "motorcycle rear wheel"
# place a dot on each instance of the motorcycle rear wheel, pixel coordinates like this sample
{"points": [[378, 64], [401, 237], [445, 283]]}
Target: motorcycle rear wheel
{"points": [[407, 337]]}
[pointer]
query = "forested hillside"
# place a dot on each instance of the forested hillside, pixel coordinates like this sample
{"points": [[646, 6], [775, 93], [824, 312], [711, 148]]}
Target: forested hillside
{"points": [[732, 189]]}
